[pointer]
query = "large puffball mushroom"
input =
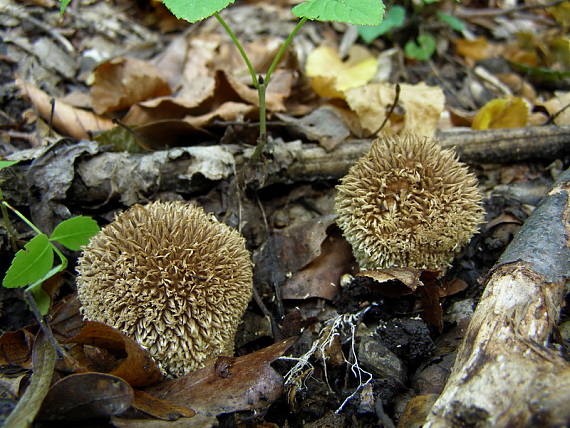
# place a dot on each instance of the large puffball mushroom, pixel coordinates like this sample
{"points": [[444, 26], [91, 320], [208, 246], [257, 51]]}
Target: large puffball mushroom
{"points": [[408, 203], [173, 278]]}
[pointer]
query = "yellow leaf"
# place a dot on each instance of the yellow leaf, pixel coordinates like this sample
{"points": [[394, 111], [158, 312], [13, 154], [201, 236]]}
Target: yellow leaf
{"points": [[331, 77], [561, 13], [502, 113]]}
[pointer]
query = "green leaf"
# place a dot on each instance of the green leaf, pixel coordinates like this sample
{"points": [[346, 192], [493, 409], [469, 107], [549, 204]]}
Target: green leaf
{"points": [[75, 232], [394, 18], [423, 50], [6, 164], [195, 10], [63, 5], [455, 23], [358, 12], [42, 299], [31, 263]]}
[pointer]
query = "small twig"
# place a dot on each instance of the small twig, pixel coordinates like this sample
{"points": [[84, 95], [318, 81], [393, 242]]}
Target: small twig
{"points": [[46, 329], [20, 13], [51, 114], [277, 335], [553, 117], [390, 110], [468, 13]]}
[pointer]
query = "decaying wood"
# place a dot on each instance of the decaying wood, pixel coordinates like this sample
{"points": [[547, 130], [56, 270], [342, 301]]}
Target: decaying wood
{"points": [[175, 169], [504, 374]]}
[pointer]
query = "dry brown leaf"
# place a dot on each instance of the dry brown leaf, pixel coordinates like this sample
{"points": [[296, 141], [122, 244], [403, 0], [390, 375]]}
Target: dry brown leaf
{"points": [[277, 92], [475, 50], [121, 82], [16, 348], [86, 396], [230, 111], [138, 368], [422, 107], [158, 408], [406, 276], [321, 277], [67, 120], [229, 385]]}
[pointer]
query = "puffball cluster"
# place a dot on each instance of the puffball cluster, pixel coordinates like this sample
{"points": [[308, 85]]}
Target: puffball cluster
{"points": [[408, 203], [173, 278]]}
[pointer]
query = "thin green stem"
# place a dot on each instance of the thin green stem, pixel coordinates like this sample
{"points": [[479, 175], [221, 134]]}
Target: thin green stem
{"points": [[282, 50], [22, 217], [7, 223], [262, 139], [240, 48]]}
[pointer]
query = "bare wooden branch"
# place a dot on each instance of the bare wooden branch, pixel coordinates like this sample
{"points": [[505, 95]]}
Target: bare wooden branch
{"points": [[504, 374]]}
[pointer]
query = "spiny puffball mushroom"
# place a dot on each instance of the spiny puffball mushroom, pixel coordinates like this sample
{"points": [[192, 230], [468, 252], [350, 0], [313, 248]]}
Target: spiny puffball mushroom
{"points": [[173, 278], [408, 203]]}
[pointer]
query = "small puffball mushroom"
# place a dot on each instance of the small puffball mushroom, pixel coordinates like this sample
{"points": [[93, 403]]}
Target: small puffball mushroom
{"points": [[408, 203], [173, 278]]}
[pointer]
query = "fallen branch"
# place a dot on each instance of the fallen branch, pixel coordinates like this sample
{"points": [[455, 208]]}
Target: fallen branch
{"points": [[504, 373]]}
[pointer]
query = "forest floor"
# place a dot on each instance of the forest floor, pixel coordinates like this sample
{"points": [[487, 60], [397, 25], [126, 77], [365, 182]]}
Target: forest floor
{"points": [[117, 103]]}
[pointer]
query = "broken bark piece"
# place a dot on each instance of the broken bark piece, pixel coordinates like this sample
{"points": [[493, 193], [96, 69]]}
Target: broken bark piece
{"points": [[504, 374]]}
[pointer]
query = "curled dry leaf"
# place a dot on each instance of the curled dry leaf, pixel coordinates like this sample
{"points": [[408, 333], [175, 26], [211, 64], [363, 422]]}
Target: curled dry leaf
{"points": [[16, 348], [67, 120], [422, 106], [138, 368], [86, 396], [121, 82], [290, 249], [229, 385], [321, 277], [332, 77]]}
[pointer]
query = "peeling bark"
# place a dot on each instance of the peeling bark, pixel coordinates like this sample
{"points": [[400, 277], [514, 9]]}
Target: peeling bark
{"points": [[504, 374]]}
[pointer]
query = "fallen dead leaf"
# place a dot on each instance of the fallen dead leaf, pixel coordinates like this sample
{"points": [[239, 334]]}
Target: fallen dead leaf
{"points": [[502, 113], [422, 106], [160, 409], [67, 120], [475, 50], [321, 277], [288, 250], [229, 385], [86, 396], [332, 77], [138, 368], [121, 82], [16, 348], [325, 125]]}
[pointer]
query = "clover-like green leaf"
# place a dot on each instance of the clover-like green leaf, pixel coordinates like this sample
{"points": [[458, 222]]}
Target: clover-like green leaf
{"points": [[394, 18], [423, 49], [455, 23], [63, 5], [195, 10], [31, 263], [6, 164], [358, 12], [75, 232]]}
